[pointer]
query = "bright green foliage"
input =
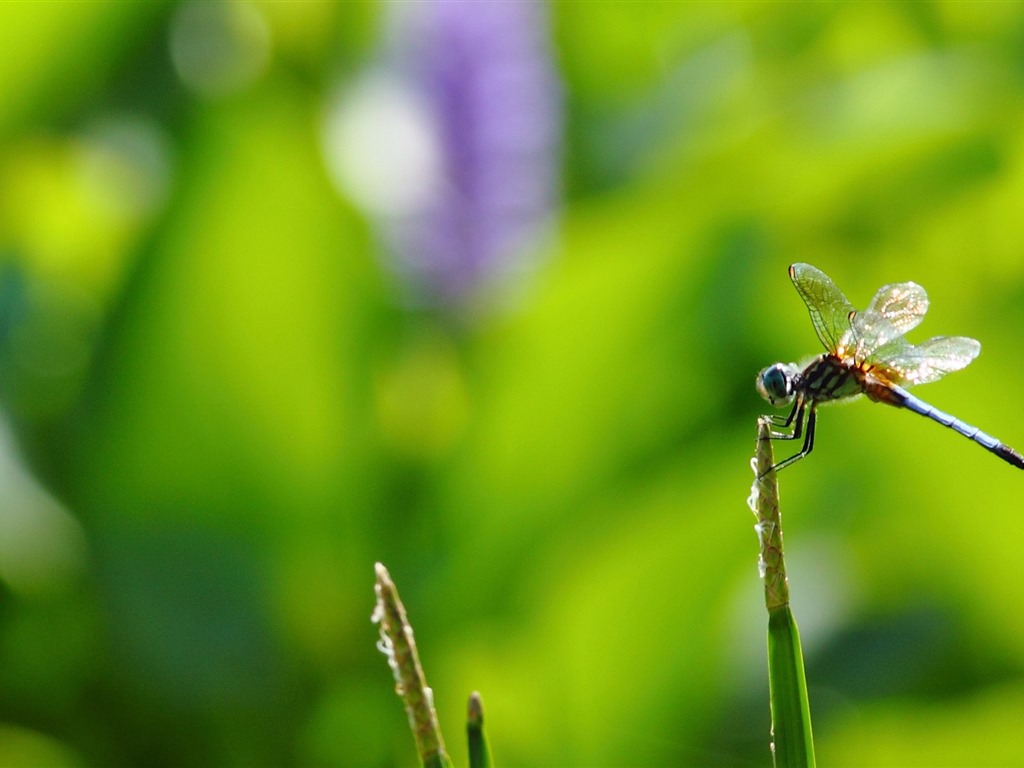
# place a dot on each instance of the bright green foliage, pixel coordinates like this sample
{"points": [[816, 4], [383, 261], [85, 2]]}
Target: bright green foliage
{"points": [[222, 411]]}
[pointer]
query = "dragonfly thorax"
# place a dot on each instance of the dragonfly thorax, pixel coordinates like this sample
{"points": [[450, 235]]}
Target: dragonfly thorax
{"points": [[778, 383]]}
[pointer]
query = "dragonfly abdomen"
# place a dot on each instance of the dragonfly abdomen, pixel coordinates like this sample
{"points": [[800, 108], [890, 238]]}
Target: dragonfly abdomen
{"points": [[985, 440]]}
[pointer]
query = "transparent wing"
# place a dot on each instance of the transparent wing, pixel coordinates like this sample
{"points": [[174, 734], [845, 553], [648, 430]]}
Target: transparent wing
{"points": [[907, 364], [830, 310], [903, 305], [896, 309]]}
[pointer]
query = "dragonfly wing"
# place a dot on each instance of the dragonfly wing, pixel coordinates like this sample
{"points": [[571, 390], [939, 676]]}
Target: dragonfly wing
{"points": [[830, 310], [903, 363], [896, 309], [902, 304], [868, 333]]}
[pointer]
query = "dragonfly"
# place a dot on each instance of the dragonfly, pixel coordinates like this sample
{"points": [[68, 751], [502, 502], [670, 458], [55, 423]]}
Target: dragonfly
{"points": [[866, 354]]}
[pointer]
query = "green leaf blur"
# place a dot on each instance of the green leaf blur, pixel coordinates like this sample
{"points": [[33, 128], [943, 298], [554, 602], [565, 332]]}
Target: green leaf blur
{"points": [[219, 408]]}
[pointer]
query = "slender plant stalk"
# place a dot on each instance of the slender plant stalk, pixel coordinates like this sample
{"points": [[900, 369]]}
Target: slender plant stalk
{"points": [[792, 743], [397, 643], [479, 751]]}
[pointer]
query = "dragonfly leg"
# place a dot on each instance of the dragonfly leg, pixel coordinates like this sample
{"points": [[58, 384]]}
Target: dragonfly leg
{"points": [[785, 421], [796, 418], [808, 446]]}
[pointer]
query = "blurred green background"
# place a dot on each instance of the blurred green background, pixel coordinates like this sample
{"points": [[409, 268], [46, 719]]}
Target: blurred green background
{"points": [[228, 387]]}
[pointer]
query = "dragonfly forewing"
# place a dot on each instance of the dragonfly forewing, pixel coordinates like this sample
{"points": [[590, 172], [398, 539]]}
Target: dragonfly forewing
{"points": [[903, 305], [830, 309], [895, 309]]}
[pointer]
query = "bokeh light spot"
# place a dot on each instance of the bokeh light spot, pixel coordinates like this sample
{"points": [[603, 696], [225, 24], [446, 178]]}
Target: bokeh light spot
{"points": [[381, 146], [219, 47]]}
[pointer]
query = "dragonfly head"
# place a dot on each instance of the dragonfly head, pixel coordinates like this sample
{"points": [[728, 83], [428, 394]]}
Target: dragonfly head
{"points": [[776, 383]]}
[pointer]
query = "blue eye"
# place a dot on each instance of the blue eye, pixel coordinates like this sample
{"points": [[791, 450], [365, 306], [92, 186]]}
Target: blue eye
{"points": [[776, 384]]}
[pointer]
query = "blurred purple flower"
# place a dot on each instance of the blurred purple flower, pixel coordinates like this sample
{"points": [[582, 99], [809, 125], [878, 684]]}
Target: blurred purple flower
{"points": [[484, 74]]}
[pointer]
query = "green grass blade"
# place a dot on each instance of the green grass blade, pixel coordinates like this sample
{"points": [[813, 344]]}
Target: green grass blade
{"points": [[792, 745], [791, 716], [479, 751]]}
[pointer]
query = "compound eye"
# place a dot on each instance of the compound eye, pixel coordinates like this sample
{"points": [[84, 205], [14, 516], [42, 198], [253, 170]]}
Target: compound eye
{"points": [[776, 385]]}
